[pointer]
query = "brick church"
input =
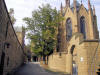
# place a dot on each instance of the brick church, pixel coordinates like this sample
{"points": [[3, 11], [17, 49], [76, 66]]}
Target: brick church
{"points": [[78, 49]]}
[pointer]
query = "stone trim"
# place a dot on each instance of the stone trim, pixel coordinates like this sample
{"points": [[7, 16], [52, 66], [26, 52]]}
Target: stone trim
{"points": [[95, 40]]}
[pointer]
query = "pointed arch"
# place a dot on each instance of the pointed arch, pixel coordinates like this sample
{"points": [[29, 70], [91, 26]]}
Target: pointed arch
{"points": [[82, 26], [68, 29]]}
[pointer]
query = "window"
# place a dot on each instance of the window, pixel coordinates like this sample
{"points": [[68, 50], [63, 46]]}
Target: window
{"points": [[68, 29], [82, 26]]}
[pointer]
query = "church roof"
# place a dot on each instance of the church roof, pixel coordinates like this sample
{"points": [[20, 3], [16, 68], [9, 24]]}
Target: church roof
{"points": [[77, 6]]}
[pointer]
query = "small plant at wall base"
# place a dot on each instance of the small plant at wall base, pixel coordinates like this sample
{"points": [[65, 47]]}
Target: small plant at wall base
{"points": [[42, 30]]}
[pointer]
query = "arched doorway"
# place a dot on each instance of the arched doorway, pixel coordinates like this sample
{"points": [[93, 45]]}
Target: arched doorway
{"points": [[68, 29], [82, 26], [74, 65]]}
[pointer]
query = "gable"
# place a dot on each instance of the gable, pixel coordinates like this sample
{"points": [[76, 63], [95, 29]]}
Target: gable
{"points": [[83, 11], [68, 12]]}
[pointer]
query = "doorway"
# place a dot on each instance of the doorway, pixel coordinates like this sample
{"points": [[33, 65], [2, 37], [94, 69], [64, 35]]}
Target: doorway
{"points": [[2, 63], [75, 68], [74, 65]]}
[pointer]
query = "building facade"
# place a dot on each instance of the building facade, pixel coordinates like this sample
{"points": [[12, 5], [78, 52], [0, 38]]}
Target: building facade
{"points": [[20, 32], [11, 51], [78, 49]]}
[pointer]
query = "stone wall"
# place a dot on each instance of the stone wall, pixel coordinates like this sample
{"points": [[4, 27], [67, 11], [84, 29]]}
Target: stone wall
{"points": [[93, 55], [57, 62], [11, 52], [85, 56]]}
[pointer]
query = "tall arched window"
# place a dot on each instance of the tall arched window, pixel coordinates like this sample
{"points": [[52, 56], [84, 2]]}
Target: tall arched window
{"points": [[68, 29], [82, 26]]}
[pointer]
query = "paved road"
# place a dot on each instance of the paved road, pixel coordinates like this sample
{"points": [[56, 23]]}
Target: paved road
{"points": [[33, 69]]}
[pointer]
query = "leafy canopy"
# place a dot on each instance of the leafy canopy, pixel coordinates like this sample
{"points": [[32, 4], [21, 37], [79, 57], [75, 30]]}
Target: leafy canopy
{"points": [[42, 29]]}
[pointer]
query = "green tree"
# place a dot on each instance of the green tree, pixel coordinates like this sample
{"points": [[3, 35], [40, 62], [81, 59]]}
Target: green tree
{"points": [[42, 29], [11, 13]]}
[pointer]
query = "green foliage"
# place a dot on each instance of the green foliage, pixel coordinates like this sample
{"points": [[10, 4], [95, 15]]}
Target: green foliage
{"points": [[42, 29], [11, 13]]}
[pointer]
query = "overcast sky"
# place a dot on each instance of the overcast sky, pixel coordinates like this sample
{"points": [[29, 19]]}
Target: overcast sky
{"points": [[24, 8]]}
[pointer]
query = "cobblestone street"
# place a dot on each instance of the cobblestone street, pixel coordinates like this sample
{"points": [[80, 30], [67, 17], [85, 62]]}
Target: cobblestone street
{"points": [[33, 69]]}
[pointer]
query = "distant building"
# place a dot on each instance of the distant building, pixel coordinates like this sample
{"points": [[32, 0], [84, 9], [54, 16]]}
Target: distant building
{"points": [[20, 32], [78, 51]]}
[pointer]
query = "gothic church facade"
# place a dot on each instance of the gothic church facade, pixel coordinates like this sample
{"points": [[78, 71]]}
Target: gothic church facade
{"points": [[78, 50]]}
